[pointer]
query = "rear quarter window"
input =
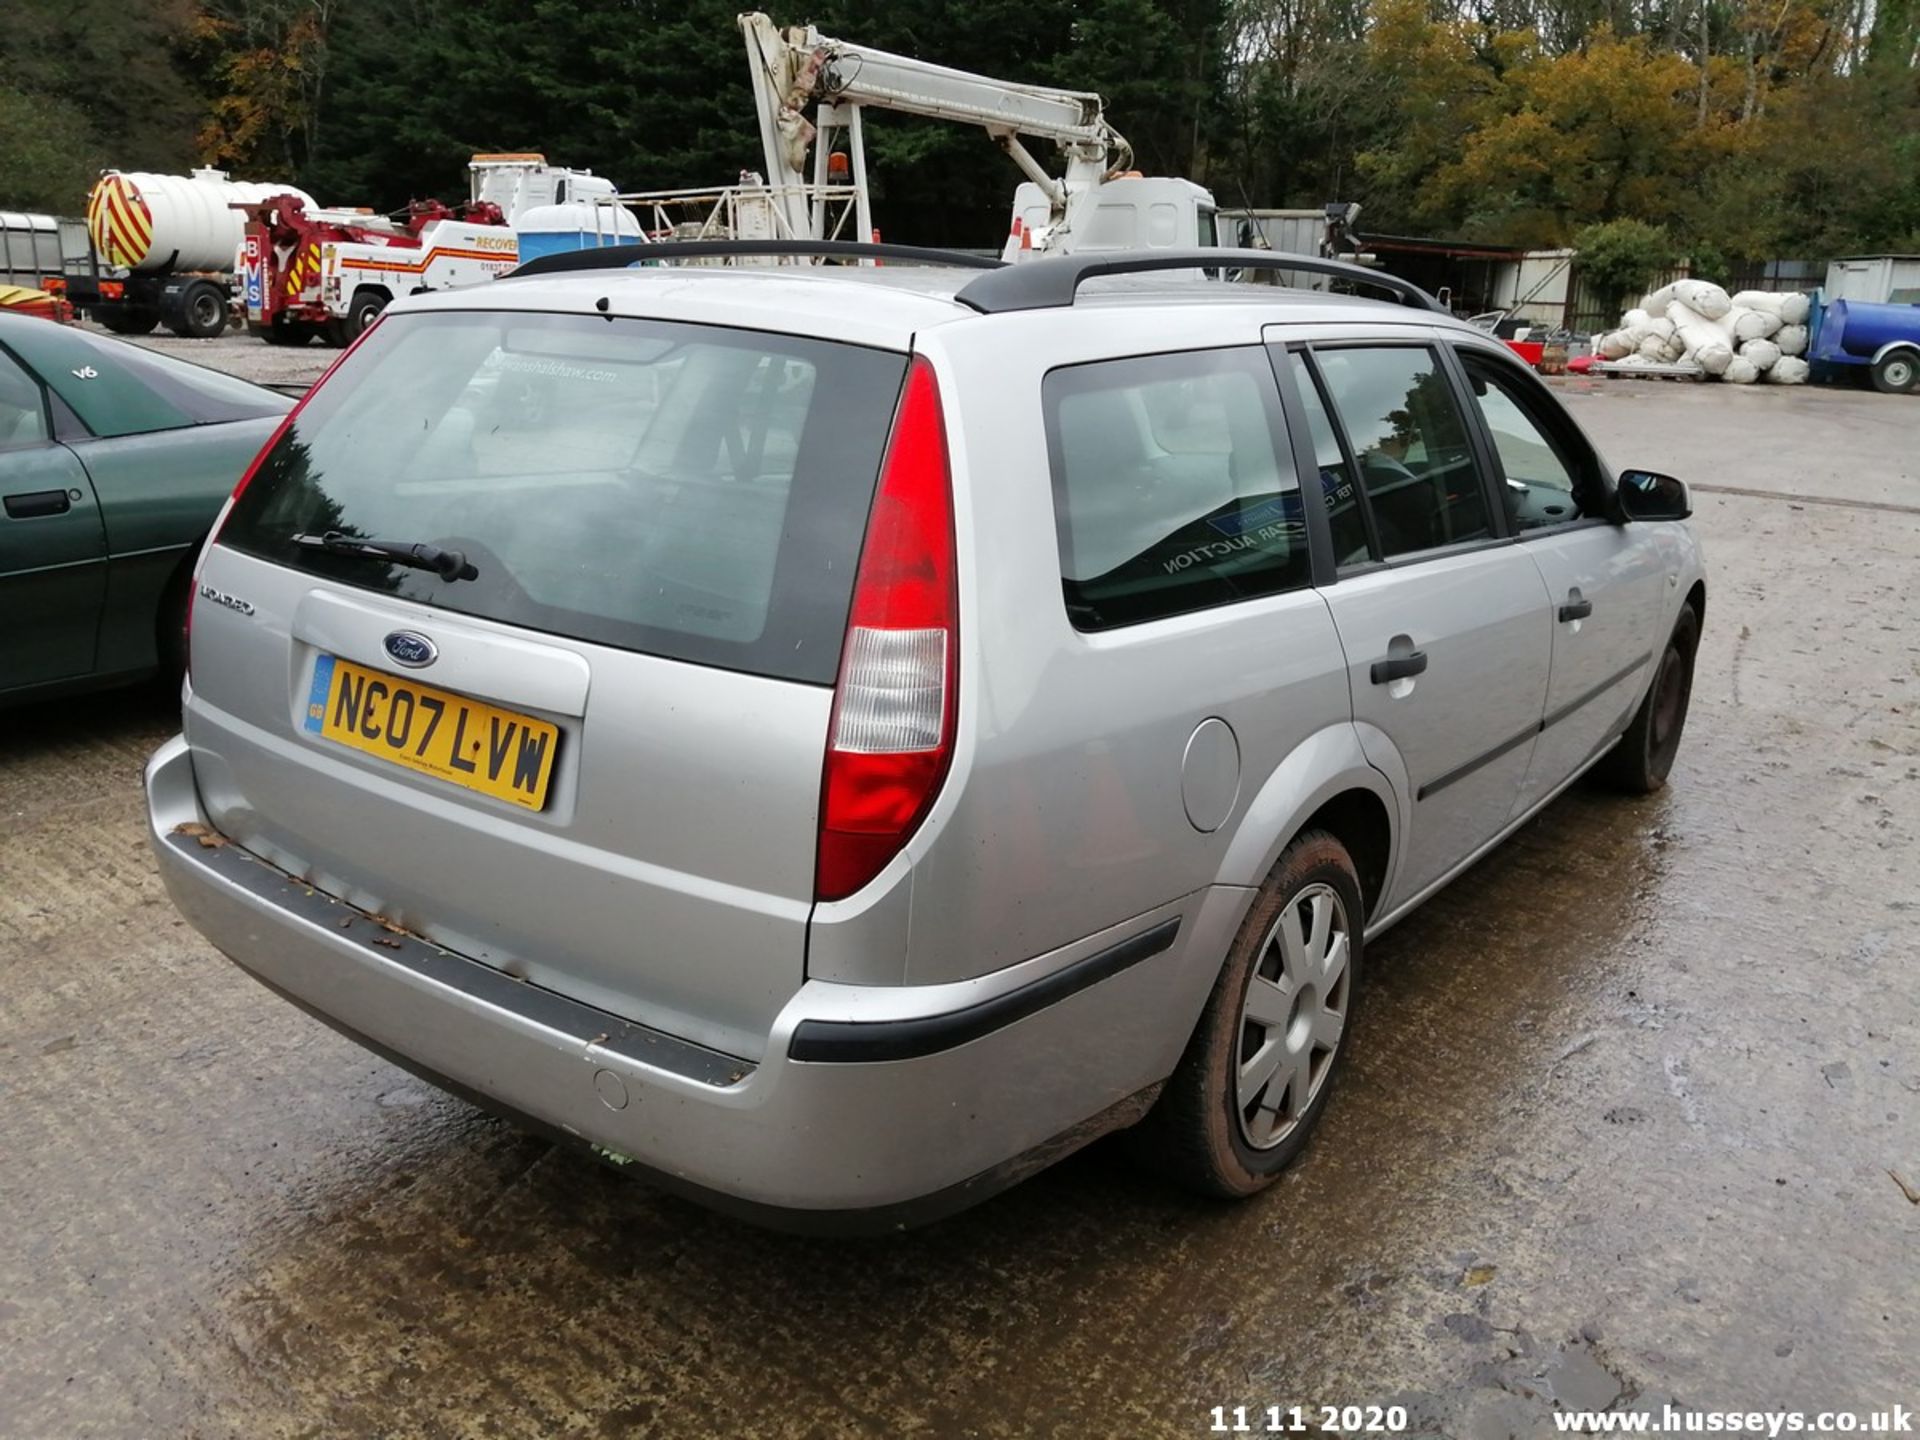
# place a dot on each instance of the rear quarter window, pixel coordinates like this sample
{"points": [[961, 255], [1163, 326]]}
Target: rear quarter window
{"points": [[1173, 486], [688, 491], [118, 388]]}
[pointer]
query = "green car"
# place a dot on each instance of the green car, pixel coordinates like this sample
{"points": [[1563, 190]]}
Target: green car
{"points": [[114, 461]]}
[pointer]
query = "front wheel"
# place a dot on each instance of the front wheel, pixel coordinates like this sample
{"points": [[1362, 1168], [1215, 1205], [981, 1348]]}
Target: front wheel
{"points": [[128, 319], [1640, 762], [1896, 374], [1256, 1075], [364, 309]]}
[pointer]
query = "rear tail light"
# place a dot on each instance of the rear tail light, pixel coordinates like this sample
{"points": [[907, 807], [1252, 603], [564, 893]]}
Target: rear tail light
{"points": [[892, 734], [246, 479]]}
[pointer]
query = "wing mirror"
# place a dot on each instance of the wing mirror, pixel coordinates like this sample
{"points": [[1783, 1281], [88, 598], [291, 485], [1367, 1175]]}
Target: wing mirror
{"points": [[1649, 495]]}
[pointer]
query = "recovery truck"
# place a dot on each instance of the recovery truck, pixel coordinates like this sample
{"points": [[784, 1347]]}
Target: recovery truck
{"points": [[308, 272]]}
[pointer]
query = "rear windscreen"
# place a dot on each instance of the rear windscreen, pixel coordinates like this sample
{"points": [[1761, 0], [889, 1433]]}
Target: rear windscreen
{"points": [[683, 490]]}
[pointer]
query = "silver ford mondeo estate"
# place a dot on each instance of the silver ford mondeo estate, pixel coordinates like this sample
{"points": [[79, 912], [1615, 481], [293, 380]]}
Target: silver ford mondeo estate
{"points": [[835, 739]]}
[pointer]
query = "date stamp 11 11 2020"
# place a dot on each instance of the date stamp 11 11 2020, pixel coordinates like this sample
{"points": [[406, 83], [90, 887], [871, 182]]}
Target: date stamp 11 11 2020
{"points": [[1308, 1419]]}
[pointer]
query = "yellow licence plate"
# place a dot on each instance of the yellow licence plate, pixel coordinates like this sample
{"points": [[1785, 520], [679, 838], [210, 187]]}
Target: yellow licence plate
{"points": [[497, 752]]}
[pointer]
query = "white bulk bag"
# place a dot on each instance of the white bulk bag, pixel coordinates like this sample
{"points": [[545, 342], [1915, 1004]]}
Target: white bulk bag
{"points": [[1754, 324], [1792, 339], [1653, 347], [1763, 353], [1703, 297], [1788, 370], [1614, 345], [1634, 317], [1758, 300], [1701, 339], [1740, 371], [1794, 307]]}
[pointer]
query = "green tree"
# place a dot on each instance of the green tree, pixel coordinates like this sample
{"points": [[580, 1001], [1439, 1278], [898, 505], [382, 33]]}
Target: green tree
{"points": [[48, 154], [1622, 257], [86, 84]]}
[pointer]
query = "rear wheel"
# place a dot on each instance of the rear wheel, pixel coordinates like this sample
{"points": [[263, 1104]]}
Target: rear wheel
{"points": [[1640, 762], [1262, 1062], [1896, 374], [128, 319], [202, 313], [282, 333], [171, 635]]}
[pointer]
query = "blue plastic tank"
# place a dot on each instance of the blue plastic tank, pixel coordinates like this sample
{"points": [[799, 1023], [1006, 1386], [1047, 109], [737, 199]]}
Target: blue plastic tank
{"points": [[1855, 329], [552, 229]]}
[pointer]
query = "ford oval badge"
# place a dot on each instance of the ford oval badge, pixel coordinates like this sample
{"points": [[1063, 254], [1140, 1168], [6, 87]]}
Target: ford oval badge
{"points": [[412, 649]]}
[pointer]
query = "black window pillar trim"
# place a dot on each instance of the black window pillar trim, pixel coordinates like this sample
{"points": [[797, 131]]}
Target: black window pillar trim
{"points": [[1362, 498], [1486, 458], [1313, 495]]}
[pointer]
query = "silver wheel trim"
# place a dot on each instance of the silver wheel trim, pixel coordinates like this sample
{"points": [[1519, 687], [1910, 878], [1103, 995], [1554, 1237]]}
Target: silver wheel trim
{"points": [[1899, 372], [1292, 1015]]}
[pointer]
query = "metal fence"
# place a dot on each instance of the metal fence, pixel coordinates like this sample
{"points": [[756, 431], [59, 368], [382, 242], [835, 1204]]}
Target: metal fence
{"points": [[1589, 312], [1778, 275]]}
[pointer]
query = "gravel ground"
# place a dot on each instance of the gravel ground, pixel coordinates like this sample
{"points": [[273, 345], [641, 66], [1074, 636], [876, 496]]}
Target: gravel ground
{"points": [[238, 353]]}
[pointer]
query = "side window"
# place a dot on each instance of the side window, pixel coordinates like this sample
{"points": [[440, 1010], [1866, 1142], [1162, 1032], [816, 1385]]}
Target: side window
{"points": [[1538, 485], [1410, 441], [1173, 487], [1349, 523], [23, 409]]}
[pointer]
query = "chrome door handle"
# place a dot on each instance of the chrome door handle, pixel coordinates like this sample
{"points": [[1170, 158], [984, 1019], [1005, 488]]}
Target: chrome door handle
{"points": [[1399, 667]]}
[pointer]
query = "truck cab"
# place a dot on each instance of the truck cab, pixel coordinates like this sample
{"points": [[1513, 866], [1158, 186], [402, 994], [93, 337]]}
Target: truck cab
{"points": [[519, 182], [1132, 212]]}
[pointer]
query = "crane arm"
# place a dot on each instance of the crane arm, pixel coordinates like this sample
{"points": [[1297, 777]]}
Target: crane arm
{"points": [[798, 67]]}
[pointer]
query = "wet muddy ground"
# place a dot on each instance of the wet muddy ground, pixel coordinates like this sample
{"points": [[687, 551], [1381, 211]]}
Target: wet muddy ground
{"points": [[1633, 1114]]}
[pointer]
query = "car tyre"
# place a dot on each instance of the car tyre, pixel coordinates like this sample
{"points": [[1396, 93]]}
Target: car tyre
{"points": [[171, 634], [1639, 764], [282, 332], [128, 319], [1262, 1062], [364, 310], [1896, 374], [203, 312]]}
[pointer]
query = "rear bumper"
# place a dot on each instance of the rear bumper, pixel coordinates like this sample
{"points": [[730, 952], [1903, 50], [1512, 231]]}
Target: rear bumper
{"points": [[918, 1100]]}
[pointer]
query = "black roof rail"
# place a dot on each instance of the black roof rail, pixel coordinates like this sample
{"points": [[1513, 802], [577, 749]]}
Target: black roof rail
{"points": [[619, 257], [1051, 283]]}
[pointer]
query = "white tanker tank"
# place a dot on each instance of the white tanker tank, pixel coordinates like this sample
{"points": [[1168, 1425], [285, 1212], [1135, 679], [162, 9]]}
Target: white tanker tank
{"points": [[164, 249], [146, 223]]}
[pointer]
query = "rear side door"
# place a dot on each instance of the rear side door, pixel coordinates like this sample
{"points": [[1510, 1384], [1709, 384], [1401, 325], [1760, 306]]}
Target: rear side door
{"points": [[1442, 620], [1604, 581], [53, 549]]}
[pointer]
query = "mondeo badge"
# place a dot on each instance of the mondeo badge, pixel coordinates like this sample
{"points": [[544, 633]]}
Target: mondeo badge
{"points": [[220, 597], [412, 649]]}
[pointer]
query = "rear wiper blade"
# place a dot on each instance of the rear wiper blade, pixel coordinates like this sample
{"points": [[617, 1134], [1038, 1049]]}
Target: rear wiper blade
{"points": [[447, 564]]}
